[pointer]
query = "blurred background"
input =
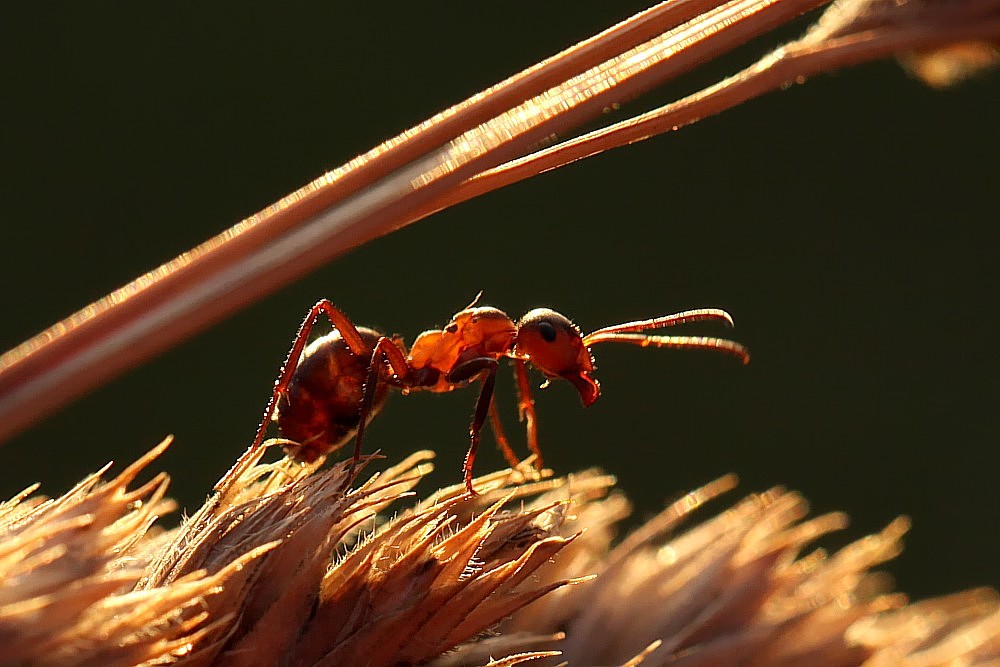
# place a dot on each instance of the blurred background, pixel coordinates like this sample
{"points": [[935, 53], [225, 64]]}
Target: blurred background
{"points": [[849, 224]]}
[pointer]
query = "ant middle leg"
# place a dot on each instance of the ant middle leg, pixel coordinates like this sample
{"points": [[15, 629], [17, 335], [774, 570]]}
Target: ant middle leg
{"points": [[485, 406], [478, 419]]}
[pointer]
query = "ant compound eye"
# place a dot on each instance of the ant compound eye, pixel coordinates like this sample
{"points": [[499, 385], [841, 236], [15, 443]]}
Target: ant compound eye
{"points": [[547, 331], [542, 325]]}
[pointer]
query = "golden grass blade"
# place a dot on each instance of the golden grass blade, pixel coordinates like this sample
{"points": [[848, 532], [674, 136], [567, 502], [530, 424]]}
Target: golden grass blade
{"points": [[476, 146]]}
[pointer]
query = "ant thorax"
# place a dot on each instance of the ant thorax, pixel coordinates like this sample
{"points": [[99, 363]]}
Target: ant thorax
{"points": [[472, 333]]}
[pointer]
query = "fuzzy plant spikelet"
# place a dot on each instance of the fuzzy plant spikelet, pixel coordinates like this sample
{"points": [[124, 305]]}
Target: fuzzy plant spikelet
{"points": [[286, 565], [68, 574]]}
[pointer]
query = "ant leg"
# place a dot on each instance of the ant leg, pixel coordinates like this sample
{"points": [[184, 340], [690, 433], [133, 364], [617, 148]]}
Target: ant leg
{"points": [[384, 348], [341, 323], [478, 419], [347, 330], [503, 444], [526, 409]]}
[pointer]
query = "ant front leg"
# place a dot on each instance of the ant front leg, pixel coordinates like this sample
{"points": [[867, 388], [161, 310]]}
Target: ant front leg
{"points": [[348, 332], [385, 350], [526, 409]]}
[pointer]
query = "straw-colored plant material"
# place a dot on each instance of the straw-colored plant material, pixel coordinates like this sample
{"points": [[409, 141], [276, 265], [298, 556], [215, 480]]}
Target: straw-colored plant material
{"points": [[952, 64], [68, 568], [739, 589], [281, 566]]}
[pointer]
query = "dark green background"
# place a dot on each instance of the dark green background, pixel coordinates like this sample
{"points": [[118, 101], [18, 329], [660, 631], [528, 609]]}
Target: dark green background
{"points": [[848, 224]]}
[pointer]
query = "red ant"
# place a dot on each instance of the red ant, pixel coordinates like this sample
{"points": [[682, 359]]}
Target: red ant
{"points": [[328, 391]]}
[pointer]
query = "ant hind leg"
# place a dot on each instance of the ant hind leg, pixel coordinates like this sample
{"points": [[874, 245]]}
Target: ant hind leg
{"points": [[347, 330]]}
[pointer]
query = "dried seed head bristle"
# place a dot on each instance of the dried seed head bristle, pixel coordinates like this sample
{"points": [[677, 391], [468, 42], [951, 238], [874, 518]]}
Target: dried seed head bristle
{"points": [[67, 569], [282, 566]]}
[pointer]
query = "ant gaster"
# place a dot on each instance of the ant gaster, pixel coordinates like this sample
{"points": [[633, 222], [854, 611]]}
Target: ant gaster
{"points": [[328, 391]]}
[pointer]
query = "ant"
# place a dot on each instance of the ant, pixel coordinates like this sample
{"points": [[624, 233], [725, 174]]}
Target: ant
{"points": [[328, 391]]}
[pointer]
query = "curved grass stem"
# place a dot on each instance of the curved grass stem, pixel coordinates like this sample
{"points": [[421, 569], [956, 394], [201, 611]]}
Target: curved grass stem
{"points": [[488, 141]]}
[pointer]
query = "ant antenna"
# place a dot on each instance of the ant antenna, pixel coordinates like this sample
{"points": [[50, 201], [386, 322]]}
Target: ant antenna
{"points": [[627, 333]]}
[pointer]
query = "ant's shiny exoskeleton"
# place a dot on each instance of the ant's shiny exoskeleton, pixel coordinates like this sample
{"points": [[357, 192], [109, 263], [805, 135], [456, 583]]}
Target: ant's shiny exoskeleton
{"points": [[328, 391]]}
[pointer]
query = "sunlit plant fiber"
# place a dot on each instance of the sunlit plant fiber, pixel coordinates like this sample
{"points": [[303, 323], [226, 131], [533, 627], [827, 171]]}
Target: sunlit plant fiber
{"points": [[281, 567]]}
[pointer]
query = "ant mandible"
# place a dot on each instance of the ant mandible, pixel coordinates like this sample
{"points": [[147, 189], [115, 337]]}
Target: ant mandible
{"points": [[328, 391]]}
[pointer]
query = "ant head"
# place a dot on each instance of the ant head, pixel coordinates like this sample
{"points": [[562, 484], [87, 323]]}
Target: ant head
{"points": [[554, 345]]}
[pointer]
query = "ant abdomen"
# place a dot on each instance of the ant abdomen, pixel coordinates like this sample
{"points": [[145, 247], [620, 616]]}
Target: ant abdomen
{"points": [[320, 408]]}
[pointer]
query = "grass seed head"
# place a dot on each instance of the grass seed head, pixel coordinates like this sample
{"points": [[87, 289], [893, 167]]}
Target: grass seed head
{"points": [[283, 565]]}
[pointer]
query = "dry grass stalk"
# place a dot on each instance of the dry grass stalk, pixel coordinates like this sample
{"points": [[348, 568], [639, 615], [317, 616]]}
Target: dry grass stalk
{"points": [[280, 566], [488, 141]]}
